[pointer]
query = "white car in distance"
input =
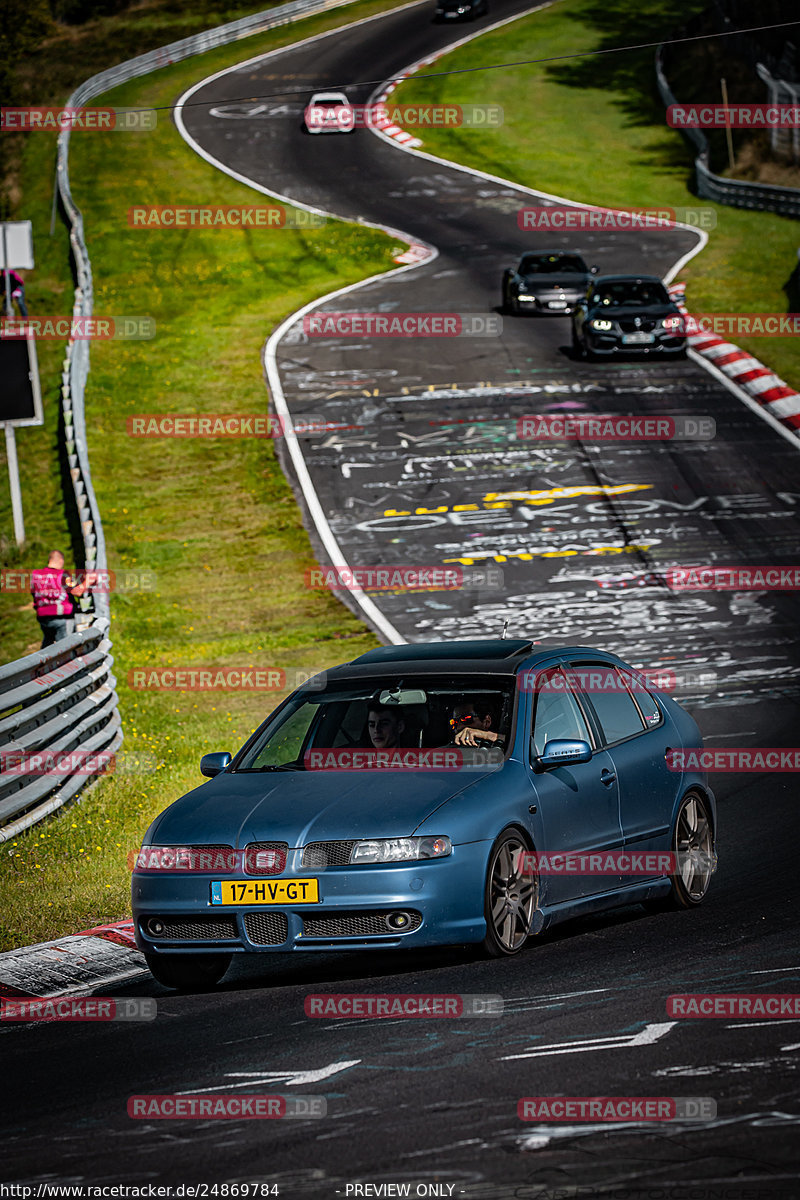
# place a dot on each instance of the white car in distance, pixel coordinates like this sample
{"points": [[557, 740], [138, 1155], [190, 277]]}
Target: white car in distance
{"points": [[329, 112]]}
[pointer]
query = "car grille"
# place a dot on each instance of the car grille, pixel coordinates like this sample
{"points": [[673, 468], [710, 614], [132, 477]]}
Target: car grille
{"points": [[319, 855], [278, 865], [646, 325], [266, 928], [368, 924], [194, 929]]}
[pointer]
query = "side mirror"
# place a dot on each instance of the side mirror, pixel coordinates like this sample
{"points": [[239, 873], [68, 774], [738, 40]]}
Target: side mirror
{"points": [[563, 751], [213, 764]]}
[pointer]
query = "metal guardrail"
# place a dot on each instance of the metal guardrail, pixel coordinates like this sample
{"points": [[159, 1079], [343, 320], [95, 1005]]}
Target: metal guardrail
{"points": [[63, 699], [57, 706], [737, 193]]}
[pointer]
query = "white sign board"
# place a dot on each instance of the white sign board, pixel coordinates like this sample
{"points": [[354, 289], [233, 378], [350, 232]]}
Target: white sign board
{"points": [[16, 245]]}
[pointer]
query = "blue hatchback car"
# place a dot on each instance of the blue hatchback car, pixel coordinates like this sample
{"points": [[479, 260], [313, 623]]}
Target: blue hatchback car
{"points": [[431, 794]]}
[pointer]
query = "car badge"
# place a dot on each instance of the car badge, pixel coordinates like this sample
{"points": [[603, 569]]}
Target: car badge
{"points": [[637, 321]]}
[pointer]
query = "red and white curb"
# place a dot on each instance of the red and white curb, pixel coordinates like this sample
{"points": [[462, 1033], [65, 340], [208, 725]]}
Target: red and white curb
{"points": [[384, 123], [99, 957], [758, 382]]}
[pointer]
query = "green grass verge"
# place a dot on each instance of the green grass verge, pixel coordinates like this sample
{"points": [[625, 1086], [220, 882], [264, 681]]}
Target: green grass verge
{"points": [[594, 130], [214, 520]]}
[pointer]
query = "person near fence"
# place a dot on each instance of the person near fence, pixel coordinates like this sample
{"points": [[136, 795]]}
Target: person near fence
{"points": [[17, 289], [54, 593]]}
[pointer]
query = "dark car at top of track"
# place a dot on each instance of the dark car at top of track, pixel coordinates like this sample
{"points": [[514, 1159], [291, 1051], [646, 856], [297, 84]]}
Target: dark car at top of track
{"points": [[622, 314], [546, 281], [460, 10], [309, 840]]}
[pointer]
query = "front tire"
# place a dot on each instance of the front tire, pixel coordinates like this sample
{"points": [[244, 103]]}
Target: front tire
{"points": [[188, 972], [693, 846], [578, 347], [510, 897]]}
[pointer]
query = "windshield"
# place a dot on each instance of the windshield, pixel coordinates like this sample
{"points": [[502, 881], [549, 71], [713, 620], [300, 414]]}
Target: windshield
{"points": [[383, 714], [632, 293], [553, 264]]}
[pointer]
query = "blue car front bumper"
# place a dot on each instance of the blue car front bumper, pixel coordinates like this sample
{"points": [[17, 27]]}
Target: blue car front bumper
{"points": [[442, 899]]}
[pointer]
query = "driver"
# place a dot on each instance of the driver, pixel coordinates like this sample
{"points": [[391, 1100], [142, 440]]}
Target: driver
{"points": [[474, 723]]}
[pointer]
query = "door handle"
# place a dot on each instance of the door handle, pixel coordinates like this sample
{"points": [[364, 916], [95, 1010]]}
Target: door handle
{"points": [[608, 777]]}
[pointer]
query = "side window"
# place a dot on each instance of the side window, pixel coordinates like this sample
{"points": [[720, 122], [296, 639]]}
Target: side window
{"points": [[287, 742], [557, 714], [650, 710], [616, 711]]}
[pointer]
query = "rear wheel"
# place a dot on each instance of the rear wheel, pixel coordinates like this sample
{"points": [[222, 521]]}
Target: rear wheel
{"points": [[188, 972], [510, 897]]}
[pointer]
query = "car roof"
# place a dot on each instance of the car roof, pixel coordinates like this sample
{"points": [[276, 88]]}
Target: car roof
{"points": [[489, 656], [330, 96], [559, 251], [628, 279]]}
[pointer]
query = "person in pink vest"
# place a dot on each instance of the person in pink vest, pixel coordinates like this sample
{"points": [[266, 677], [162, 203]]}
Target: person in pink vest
{"points": [[17, 289], [53, 594]]}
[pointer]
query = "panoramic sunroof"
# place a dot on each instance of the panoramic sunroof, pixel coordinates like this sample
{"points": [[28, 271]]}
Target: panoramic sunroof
{"points": [[476, 648]]}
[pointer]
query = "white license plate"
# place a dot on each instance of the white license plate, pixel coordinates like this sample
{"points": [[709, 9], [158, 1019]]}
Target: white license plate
{"points": [[638, 339], [556, 304]]}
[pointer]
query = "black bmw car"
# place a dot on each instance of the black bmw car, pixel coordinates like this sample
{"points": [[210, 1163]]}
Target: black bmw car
{"points": [[627, 313], [546, 282], [460, 10]]}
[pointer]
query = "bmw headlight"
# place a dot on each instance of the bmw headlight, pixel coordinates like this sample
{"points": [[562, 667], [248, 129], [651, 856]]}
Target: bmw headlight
{"points": [[407, 849], [601, 325]]}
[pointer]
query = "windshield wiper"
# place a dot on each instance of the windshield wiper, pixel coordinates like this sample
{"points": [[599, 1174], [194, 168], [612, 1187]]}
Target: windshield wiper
{"points": [[269, 767]]}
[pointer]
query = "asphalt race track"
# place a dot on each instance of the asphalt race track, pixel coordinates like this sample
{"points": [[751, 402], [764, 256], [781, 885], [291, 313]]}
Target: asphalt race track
{"points": [[433, 473]]}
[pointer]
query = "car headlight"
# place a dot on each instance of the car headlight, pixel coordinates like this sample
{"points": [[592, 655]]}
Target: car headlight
{"points": [[601, 325], [407, 849], [672, 322]]}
